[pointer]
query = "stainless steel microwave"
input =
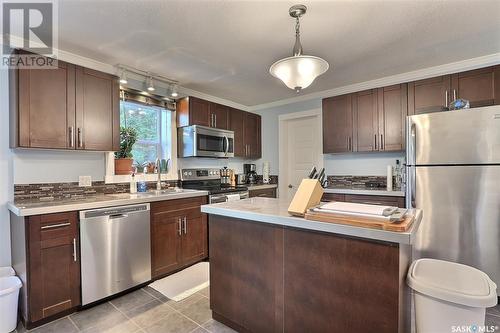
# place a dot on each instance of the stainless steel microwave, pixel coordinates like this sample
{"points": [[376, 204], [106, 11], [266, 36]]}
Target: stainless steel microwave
{"points": [[201, 141]]}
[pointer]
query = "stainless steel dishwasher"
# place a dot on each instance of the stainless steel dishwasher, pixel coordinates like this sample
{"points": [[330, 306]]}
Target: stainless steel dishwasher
{"points": [[115, 246]]}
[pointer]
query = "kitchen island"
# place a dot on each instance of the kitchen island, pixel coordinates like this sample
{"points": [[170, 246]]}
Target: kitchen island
{"points": [[271, 272]]}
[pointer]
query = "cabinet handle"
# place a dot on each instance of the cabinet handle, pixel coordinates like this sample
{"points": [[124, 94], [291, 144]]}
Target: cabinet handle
{"points": [[454, 94], [375, 141], [215, 120], [53, 226], [80, 140], [184, 221], [179, 228], [71, 137], [74, 249], [446, 98], [349, 143], [382, 144]]}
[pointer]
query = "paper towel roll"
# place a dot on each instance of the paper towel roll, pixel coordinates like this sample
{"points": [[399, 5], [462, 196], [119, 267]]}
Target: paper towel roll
{"points": [[389, 178], [265, 172]]}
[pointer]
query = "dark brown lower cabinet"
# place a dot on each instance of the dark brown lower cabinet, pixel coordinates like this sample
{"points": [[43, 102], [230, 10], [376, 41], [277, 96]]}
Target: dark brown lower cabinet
{"points": [[46, 258], [366, 199], [268, 278], [264, 193], [178, 235]]}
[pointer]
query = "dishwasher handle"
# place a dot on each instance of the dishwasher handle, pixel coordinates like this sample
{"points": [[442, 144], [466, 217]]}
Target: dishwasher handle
{"points": [[117, 216], [114, 212]]}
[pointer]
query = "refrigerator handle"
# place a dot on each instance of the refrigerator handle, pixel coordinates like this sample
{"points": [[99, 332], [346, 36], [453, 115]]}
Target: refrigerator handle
{"points": [[411, 142], [410, 186]]}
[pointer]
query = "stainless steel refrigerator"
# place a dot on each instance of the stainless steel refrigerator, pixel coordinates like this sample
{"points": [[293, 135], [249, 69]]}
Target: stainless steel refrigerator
{"points": [[453, 170]]}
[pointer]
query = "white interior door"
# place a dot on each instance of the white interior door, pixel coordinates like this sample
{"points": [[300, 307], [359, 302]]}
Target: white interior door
{"points": [[303, 141]]}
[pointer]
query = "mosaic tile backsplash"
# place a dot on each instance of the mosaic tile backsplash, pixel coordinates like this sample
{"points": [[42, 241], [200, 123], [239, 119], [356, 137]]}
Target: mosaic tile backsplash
{"points": [[24, 193], [70, 190], [357, 182]]}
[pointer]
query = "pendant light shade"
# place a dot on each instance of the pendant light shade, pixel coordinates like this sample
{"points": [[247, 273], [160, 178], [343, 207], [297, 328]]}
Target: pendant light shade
{"points": [[298, 71]]}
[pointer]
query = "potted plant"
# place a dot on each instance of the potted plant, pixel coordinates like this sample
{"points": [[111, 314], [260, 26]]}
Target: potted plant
{"points": [[123, 157]]}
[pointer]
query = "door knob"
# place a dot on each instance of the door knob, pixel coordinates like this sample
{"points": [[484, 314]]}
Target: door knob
{"points": [[290, 185]]}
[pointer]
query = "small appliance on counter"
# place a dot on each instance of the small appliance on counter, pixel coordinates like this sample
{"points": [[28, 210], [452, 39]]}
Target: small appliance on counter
{"points": [[240, 178], [225, 176], [250, 171]]}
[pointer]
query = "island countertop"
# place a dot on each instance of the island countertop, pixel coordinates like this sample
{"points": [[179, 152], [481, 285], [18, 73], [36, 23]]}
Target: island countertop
{"points": [[275, 211]]}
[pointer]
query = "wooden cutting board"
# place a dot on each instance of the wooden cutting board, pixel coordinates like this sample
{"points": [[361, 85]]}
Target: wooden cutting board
{"points": [[401, 226]]}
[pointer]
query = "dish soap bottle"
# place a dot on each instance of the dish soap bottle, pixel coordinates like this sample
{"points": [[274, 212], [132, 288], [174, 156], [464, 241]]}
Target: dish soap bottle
{"points": [[398, 175], [133, 184]]}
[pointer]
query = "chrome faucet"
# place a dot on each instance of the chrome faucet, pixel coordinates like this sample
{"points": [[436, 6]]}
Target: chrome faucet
{"points": [[158, 170]]}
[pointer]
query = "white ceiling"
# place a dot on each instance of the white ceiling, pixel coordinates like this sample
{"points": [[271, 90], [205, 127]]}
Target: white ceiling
{"points": [[224, 48]]}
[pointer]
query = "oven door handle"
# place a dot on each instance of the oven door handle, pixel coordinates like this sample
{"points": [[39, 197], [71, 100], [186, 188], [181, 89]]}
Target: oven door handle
{"points": [[217, 198]]}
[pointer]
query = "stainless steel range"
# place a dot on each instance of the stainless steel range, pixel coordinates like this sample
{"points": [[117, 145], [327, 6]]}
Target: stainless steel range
{"points": [[209, 180]]}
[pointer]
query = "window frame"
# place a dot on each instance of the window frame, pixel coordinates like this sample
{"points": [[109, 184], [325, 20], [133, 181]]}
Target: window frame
{"points": [[110, 176]]}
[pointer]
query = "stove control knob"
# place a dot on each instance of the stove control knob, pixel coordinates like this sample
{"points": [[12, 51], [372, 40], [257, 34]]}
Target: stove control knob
{"points": [[185, 173], [190, 173]]}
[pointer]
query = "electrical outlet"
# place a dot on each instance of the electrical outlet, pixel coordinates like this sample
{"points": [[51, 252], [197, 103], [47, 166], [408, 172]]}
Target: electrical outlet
{"points": [[84, 181]]}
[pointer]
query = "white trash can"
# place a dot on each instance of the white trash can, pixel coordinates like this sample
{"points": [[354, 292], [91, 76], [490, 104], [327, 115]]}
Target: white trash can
{"points": [[9, 295], [6, 271], [449, 297]]}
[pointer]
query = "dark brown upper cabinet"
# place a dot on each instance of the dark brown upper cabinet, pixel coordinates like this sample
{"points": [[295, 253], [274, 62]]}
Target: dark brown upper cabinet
{"points": [[429, 95], [252, 135], [97, 110], [219, 116], [196, 111], [337, 124], [392, 112], [42, 106], [481, 87], [69, 107], [247, 133], [365, 121], [237, 125]]}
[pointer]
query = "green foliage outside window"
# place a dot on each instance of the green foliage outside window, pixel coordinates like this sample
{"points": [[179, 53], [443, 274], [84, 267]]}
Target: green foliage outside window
{"points": [[151, 124]]}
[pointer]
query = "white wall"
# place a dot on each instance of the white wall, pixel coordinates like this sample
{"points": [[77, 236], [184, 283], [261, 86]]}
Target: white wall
{"points": [[6, 177], [46, 166], [370, 164]]}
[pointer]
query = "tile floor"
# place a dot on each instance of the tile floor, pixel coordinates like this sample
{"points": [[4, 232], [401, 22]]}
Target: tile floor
{"points": [[493, 317], [147, 311], [144, 310]]}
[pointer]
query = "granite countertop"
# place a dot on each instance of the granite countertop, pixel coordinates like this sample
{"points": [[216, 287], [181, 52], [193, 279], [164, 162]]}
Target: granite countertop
{"points": [[364, 191], [275, 211], [261, 186], [99, 201]]}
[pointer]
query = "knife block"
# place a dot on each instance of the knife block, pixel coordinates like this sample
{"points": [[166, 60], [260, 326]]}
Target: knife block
{"points": [[308, 195]]}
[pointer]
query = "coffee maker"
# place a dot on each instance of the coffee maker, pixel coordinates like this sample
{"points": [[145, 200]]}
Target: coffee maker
{"points": [[250, 171]]}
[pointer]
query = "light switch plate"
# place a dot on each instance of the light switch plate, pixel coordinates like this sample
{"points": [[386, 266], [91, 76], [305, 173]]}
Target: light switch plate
{"points": [[84, 181]]}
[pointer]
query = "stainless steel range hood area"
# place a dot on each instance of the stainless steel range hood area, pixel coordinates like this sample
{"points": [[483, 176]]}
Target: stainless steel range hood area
{"points": [[202, 141]]}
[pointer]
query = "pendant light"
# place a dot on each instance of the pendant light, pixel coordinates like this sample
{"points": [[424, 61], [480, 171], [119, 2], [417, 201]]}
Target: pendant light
{"points": [[298, 71]]}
